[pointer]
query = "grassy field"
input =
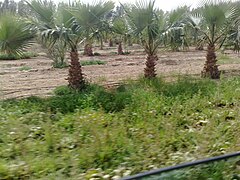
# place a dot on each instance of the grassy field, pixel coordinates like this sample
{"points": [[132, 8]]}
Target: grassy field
{"points": [[106, 134]]}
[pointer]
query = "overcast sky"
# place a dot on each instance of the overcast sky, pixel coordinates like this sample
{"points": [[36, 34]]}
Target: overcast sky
{"points": [[166, 5], [172, 4]]}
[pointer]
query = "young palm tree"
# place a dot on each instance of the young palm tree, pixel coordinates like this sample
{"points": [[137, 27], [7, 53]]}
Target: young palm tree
{"points": [[61, 26], [234, 33], [120, 28], [193, 25], [216, 19], [15, 35], [176, 28], [104, 28], [143, 20], [89, 18], [234, 37]]}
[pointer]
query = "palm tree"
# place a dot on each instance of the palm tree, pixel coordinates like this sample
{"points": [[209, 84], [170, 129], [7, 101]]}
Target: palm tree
{"points": [[193, 25], [176, 28], [61, 26], [44, 15], [120, 28], [15, 35], [234, 33], [234, 37], [216, 19], [143, 20], [90, 18]]}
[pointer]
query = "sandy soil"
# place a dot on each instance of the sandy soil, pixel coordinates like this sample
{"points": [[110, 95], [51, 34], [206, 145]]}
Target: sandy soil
{"points": [[21, 78]]}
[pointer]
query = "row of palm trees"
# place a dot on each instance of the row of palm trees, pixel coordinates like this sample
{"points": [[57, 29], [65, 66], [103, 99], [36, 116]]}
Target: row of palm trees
{"points": [[213, 23]]}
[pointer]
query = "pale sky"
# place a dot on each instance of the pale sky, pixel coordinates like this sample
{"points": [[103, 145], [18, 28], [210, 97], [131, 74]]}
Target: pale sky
{"points": [[166, 5]]}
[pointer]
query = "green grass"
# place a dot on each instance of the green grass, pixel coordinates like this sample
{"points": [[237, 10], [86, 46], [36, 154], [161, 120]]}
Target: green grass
{"points": [[136, 127], [92, 62], [24, 68], [113, 53], [124, 53], [60, 65], [225, 59], [26, 55]]}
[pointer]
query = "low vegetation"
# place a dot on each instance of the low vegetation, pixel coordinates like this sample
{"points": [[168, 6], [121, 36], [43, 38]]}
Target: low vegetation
{"points": [[112, 133], [92, 62], [25, 68], [87, 132], [26, 55], [225, 59]]}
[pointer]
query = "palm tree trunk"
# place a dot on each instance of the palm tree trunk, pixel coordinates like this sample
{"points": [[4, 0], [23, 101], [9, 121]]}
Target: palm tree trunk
{"points": [[88, 50], [120, 50], [210, 67], [110, 42], [150, 70], [101, 43], [75, 76]]}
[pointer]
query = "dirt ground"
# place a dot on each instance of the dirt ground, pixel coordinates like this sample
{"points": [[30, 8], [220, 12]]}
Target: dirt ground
{"points": [[26, 77]]}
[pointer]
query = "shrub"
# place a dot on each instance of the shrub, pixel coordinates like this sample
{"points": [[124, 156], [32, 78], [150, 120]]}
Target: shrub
{"points": [[26, 105], [96, 54], [26, 55], [112, 101], [92, 62], [68, 100], [58, 53]]}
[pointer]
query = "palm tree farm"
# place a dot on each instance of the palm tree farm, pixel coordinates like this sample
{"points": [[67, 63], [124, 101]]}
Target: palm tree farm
{"points": [[106, 90]]}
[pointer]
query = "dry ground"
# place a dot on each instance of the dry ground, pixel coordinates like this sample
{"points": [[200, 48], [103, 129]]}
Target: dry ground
{"points": [[21, 78]]}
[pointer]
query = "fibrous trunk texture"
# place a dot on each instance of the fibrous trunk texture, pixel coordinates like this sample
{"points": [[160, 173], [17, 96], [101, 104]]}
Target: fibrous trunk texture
{"points": [[75, 76], [210, 69], [88, 50], [150, 71], [110, 42], [120, 49], [101, 43]]}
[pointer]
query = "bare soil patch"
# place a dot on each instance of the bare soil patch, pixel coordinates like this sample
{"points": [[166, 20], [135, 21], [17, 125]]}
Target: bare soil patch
{"points": [[27, 77]]}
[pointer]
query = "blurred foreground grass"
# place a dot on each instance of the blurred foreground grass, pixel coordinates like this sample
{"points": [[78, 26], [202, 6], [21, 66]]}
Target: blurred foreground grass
{"points": [[107, 134]]}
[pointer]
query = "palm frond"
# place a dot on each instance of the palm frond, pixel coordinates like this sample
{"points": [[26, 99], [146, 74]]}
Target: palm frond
{"points": [[119, 26], [63, 17], [141, 16], [216, 18], [144, 22], [177, 16], [15, 34], [90, 16], [44, 11]]}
